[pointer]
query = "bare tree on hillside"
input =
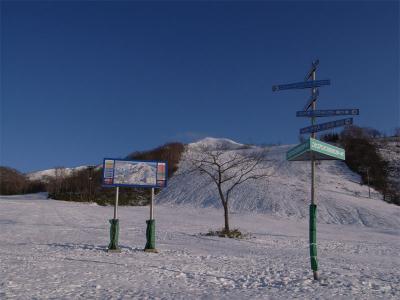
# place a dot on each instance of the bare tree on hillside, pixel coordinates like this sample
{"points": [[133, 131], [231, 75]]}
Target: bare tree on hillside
{"points": [[56, 183], [228, 170], [397, 131]]}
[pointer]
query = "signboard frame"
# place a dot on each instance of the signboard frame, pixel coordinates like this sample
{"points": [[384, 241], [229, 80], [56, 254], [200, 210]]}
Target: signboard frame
{"points": [[156, 185]]}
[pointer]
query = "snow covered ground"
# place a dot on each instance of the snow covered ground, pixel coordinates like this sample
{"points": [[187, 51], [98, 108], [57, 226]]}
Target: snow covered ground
{"points": [[55, 249]]}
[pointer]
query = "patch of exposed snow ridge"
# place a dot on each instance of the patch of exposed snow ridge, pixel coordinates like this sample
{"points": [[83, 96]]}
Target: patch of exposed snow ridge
{"points": [[216, 144], [340, 197], [51, 173]]}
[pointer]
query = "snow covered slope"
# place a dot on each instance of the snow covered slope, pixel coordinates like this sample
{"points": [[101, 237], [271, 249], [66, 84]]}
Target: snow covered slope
{"points": [[340, 197], [389, 149]]}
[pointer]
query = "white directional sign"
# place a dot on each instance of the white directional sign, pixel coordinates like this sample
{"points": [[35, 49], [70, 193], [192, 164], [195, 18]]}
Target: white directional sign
{"points": [[328, 112], [301, 85], [326, 126]]}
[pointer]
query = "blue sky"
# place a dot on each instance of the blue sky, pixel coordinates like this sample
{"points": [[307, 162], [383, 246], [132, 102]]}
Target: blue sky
{"points": [[85, 80]]}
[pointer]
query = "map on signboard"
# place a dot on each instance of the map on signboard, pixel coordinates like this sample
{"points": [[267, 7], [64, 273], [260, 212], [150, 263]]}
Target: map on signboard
{"points": [[135, 173], [119, 172]]}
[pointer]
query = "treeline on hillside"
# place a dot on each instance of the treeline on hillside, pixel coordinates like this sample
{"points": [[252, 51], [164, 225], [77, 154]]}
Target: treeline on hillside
{"points": [[13, 182], [169, 152], [362, 156], [85, 184]]}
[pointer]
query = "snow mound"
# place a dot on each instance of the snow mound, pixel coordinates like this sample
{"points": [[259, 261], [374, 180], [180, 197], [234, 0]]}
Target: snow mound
{"points": [[341, 198], [217, 144]]}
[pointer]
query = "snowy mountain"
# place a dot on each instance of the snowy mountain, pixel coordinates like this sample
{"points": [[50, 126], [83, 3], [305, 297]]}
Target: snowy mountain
{"points": [[217, 144], [49, 173], [341, 198]]}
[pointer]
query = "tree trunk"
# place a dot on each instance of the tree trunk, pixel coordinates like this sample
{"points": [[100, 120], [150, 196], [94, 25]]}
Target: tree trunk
{"points": [[226, 214], [225, 205]]}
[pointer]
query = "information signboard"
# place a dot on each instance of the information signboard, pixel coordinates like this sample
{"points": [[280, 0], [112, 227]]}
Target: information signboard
{"points": [[134, 173]]}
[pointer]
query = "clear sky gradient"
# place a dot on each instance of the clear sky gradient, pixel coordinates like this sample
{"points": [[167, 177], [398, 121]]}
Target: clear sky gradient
{"points": [[85, 80]]}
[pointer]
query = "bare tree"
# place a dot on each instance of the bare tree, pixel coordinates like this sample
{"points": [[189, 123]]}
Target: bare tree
{"points": [[397, 131], [228, 169]]}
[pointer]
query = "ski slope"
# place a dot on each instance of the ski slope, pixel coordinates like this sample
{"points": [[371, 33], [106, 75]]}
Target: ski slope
{"points": [[340, 197], [56, 250]]}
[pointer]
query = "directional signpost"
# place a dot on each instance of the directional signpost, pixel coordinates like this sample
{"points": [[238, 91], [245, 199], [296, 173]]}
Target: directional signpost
{"points": [[313, 149]]}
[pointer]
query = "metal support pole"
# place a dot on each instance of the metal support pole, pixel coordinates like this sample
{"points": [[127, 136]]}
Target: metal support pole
{"points": [[116, 203], [312, 158], [313, 207], [369, 189], [152, 205]]}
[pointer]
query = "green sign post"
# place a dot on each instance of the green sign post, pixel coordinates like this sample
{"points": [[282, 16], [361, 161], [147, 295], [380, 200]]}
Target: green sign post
{"points": [[313, 150]]}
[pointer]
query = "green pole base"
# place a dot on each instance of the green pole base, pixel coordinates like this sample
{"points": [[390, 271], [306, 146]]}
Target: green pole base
{"points": [[150, 236], [313, 239], [114, 232]]}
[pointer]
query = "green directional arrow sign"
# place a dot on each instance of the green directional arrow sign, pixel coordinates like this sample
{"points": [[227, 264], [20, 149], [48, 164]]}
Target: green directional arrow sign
{"points": [[327, 149], [315, 149], [298, 151]]}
